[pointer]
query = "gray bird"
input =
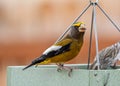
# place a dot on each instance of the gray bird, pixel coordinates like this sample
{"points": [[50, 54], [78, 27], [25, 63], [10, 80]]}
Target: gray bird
{"points": [[108, 57]]}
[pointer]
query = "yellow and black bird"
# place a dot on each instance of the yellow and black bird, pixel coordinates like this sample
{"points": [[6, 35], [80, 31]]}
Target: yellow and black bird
{"points": [[65, 49]]}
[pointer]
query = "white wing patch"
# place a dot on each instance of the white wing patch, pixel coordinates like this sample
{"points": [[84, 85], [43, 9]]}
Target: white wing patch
{"points": [[52, 48]]}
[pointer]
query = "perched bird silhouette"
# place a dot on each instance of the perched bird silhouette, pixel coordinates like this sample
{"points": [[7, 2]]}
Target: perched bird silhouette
{"points": [[65, 49], [108, 57]]}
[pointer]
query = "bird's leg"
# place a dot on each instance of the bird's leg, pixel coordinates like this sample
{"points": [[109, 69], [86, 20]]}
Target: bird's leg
{"points": [[62, 67], [69, 69]]}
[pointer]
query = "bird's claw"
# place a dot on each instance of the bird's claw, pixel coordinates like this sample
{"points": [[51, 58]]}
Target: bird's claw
{"points": [[62, 67], [59, 69], [70, 72]]}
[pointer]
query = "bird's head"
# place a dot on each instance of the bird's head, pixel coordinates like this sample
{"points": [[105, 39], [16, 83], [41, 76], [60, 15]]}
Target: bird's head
{"points": [[77, 30], [80, 26]]}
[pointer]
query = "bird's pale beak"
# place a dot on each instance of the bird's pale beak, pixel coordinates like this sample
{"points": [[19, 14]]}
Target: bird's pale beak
{"points": [[82, 28]]}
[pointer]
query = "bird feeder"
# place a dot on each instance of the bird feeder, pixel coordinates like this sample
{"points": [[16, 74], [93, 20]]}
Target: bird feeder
{"points": [[46, 75]]}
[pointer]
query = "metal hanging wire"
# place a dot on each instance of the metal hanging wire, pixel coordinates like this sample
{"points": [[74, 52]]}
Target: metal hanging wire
{"points": [[90, 40], [60, 38], [93, 25], [108, 17], [96, 35], [94, 4]]}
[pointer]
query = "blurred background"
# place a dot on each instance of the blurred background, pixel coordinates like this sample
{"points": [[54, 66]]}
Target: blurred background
{"points": [[28, 27]]}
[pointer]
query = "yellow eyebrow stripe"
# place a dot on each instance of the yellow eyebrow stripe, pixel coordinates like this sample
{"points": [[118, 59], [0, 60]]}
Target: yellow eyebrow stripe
{"points": [[78, 23]]}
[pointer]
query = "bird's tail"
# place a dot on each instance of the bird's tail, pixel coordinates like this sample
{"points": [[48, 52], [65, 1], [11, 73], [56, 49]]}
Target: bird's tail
{"points": [[38, 60], [28, 66]]}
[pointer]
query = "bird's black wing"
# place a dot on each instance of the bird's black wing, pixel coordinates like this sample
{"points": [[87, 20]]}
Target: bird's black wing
{"points": [[61, 50], [50, 54]]}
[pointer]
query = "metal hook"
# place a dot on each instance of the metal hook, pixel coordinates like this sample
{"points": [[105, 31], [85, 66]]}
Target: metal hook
{"points": [[93, 1]]}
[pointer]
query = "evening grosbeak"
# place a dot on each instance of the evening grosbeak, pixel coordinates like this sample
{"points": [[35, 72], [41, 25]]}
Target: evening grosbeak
{"points": [[65, 49], [108, 57]]}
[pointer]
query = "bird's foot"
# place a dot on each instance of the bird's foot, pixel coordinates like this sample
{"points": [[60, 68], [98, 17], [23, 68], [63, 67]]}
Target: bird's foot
{"points": [[113, 65], [62, 67]]}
